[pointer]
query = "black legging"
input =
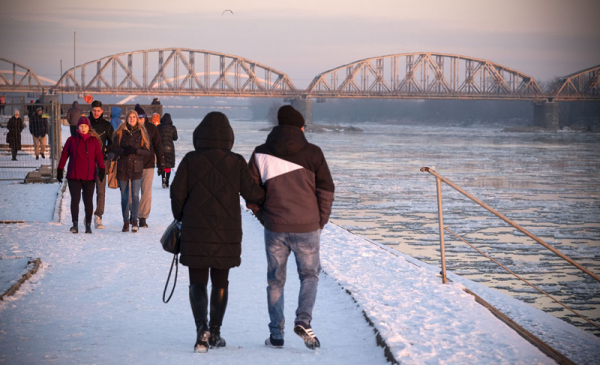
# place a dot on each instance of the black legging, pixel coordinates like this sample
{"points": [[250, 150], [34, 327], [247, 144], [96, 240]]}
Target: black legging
{"points": [[218, 277], [75, 188]]}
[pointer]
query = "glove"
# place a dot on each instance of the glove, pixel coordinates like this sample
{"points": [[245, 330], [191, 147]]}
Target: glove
{"points": [[59, 175], [129, 150], [101, 174], [161, 171]]}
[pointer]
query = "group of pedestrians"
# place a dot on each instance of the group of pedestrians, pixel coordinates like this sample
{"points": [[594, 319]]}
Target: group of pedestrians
{"points": [[287, 185], [134, 144]]}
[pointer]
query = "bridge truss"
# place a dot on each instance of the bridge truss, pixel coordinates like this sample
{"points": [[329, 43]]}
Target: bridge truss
{"points": [[425, 76], [176, 71], [16, 77], [582, 85]]}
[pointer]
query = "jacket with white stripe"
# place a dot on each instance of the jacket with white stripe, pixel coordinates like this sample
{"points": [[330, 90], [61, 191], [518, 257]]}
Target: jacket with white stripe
{"points": [[299, 187]]}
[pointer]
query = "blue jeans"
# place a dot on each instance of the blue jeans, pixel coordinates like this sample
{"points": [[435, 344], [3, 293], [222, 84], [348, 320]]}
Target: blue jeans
{"points": [[306, 251], [136, 185]]}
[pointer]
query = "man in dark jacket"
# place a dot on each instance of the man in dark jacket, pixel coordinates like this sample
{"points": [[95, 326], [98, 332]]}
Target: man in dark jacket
{"points": [[156, 154], [299, 195], [105, 131], [73, 115], [38, 127]]}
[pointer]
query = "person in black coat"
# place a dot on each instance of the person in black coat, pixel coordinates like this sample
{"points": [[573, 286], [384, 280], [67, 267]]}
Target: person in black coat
{"points": [[205, 197], [38, 127], [168, 134], [15, 126]]}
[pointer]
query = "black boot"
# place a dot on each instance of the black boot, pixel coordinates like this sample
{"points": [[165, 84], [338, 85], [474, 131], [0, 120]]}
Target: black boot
{"points": [[75, 228], [218, 304], [199, 303], [88, 227]]}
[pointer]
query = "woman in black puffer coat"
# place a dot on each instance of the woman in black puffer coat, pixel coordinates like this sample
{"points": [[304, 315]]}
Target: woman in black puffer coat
{"points": [[168, 134], [205, 197], [15, 126]]}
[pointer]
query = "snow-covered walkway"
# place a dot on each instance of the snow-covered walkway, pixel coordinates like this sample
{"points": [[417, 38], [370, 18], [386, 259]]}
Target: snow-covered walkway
{"points": [[97, 300]]}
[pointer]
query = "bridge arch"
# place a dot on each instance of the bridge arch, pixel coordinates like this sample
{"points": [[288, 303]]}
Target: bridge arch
{"points": [[581, 85], [14, 75], [425, 75], [135, 73]]}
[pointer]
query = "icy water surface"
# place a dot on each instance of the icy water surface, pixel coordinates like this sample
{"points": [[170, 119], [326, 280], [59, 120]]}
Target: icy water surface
{"points": [[549, 183]]}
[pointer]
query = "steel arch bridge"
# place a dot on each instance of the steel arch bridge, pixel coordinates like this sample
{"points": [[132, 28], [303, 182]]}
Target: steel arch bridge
{"points": [[17, 77], [134, 73], [425, 76], [582, 85]]}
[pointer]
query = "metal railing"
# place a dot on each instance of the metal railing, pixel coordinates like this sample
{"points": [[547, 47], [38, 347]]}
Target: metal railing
{"points": [[26, 161], [442, 228]]}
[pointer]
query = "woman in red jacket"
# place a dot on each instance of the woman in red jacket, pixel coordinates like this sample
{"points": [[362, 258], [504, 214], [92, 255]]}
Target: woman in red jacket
{"points": [[84, 152]]}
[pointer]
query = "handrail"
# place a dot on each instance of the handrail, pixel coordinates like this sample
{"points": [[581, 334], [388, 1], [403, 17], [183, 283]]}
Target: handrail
{"points": [[499, 215], [439, 179]]}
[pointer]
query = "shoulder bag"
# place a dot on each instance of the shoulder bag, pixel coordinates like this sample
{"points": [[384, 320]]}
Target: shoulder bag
{"points": [[170, 242]]}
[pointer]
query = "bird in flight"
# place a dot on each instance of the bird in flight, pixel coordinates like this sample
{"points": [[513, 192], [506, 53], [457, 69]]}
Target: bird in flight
{"points": [[226, 10]]}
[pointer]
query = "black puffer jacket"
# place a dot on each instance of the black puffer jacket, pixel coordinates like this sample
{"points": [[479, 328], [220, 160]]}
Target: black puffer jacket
{"points": [[38, 125], [168, 134], [205, 196]]}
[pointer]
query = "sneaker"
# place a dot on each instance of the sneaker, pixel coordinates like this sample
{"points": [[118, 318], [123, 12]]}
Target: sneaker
{"points": [[305, 331], [98, 222], [143, 223], [274, 343], [135, 226]]}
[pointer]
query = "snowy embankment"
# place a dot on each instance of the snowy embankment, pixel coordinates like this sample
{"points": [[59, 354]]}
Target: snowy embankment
{"points": [[97, 299]]}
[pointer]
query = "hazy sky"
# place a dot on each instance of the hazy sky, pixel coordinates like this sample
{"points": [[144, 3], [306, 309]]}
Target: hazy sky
{"points": [[542, 38]]}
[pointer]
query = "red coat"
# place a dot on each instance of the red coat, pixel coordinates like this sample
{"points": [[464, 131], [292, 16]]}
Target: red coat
{"points": [[83, 155]]}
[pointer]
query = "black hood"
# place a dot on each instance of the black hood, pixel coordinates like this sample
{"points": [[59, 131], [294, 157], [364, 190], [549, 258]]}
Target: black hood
{"points": [[214, 132], [166, 119], [75, 104], [286, 140]]}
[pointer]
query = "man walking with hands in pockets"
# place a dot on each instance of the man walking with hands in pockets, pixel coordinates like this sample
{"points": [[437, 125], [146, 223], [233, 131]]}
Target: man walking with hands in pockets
{"points": [[299, 195]]}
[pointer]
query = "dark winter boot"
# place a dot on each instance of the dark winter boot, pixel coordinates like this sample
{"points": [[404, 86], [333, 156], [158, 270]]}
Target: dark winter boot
{"points": [[143, 223], [218, 304], [199, 303], [75, 228], [88, 227], [125, 227]]}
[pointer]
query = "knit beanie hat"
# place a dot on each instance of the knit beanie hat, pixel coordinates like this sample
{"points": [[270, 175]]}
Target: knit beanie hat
{"points": [[287, 115], [140, 111], [84, 120]]}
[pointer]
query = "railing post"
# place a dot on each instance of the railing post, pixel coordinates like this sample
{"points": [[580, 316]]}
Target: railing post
{"points": [[441, 220]]}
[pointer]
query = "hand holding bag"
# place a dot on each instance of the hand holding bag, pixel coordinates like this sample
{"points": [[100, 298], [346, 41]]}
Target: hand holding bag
{"points": [[170, 243]]}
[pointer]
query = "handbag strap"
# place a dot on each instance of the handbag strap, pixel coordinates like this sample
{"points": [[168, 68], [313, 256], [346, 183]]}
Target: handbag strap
{"points": [[174, 262]]}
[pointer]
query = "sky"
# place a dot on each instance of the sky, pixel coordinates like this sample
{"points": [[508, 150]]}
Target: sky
{"points": [[541, 38]]}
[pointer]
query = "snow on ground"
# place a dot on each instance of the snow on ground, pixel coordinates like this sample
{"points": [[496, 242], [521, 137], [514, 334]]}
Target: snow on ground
{"points": [[97, 299], [32, 202]]}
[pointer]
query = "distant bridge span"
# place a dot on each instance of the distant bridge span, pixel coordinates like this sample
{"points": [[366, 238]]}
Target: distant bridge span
{"points": [[190, 72]]}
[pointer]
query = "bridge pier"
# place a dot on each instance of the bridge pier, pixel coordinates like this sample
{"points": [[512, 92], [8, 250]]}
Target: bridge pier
{"points": [[305, 107], [545, 115]]}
